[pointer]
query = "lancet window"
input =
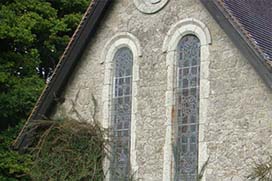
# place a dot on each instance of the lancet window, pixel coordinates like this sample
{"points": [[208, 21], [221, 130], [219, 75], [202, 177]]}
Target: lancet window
{"points": [[121, 113], [187, 106]]}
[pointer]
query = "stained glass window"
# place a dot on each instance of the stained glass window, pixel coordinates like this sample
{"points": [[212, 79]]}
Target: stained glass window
{"points": [[121, 114], [187, 94]]}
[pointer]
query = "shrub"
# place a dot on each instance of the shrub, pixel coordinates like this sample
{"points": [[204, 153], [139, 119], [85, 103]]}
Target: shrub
{"points": [[13, 166], [68, 150]]}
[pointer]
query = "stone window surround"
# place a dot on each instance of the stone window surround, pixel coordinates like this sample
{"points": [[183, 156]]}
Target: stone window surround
{"points": [[174, 35], [118, 41]]}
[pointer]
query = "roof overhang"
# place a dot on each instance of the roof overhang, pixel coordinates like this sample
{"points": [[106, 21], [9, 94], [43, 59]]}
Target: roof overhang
{"points": [[262, 66]]}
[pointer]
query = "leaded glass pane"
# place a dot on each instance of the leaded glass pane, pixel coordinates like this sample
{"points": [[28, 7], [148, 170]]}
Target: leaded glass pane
{"points": [[121, 114], [187, 92]]}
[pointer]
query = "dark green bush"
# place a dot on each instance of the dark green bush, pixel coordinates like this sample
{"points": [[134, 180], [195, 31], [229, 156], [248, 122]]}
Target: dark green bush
{"points": [[13, 166]]}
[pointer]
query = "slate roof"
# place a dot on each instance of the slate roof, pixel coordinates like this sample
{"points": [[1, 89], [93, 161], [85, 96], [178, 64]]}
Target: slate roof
{"points": [[246, 22], [254, 18]]}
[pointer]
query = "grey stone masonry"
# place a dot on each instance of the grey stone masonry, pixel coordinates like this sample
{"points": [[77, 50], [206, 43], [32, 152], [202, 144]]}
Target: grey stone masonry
{"points": [[235, 110]]}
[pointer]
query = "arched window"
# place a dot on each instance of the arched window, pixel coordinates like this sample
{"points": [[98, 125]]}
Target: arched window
{"points": [[187, 48], [187, 106], [121, 55], [121, 113]]}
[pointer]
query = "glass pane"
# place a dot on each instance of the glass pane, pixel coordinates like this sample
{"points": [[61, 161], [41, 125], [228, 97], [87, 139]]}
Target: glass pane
{"points": [[187, 104], [121, 114]]}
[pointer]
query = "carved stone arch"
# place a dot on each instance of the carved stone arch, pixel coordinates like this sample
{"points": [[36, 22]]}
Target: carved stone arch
{"points": [[121, 40], [150, 6], [182, 28], [114, 44]]}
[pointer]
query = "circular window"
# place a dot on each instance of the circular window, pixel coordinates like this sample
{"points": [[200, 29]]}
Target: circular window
{"points": [[150, 6]]}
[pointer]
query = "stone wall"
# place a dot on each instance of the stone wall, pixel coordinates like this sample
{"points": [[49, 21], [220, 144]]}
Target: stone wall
{"points": [[238, 128]]}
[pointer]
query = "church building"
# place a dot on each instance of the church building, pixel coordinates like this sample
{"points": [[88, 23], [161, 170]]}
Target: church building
{"points": [[185, 86]]}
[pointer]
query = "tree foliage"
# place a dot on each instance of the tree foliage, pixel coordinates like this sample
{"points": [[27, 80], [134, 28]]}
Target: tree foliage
{"points": [[33, 35], [13, 166]]}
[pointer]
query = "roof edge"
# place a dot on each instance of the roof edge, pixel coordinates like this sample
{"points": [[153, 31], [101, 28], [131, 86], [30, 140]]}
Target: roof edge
{"points": [[260, 64], [66, 65]]}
